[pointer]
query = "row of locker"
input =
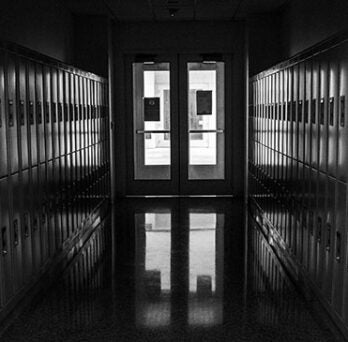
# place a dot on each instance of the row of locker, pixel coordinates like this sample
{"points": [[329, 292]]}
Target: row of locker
{"points": [[47, 112], [54, 170], [313, 228], [35, 227], [301, 111]]}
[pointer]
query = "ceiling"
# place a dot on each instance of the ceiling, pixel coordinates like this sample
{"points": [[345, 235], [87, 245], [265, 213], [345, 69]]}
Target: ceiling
{"points": [[165, 10]]}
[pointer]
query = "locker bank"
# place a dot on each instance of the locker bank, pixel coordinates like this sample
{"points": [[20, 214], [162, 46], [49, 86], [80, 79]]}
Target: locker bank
{"points": [[173, 170]]}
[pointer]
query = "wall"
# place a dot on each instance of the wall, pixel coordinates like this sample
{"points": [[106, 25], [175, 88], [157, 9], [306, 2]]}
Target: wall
{"points": [[41, 25], [174, 38], [306, 23], [91, 43]]}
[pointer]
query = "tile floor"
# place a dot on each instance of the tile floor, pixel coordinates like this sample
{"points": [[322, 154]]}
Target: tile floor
{"points": [[171, 270]]}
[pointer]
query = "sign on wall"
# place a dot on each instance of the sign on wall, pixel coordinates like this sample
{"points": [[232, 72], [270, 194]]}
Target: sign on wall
{"points": [[204, 100], [151, 108]]}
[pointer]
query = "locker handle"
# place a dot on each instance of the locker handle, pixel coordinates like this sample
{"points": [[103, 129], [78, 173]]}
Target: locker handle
{"points": [[60, 112], [39, 112], [15, 232], [10, 113], [313, 110], [66, 117], [26, 225], [328, 237], [54, 112], [47, 112], [306, 110], [299, 111], [31, 112], [4, 240], [322, 111], [338, 246], [331, 111], [35, 224], [319, 230]]}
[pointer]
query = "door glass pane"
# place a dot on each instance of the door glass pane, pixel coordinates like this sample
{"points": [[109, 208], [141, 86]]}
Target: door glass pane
{"points": [[206, 120], [151, 115]]}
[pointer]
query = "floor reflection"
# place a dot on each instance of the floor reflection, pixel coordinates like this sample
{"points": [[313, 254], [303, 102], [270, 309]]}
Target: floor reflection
{"points": [[172, 270]]}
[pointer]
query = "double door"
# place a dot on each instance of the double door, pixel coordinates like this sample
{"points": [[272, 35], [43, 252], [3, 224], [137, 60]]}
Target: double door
{"points": [[178, 125]]}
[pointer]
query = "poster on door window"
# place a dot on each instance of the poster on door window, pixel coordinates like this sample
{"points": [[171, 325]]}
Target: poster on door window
{"points": [[151, 108], [204, 102]]}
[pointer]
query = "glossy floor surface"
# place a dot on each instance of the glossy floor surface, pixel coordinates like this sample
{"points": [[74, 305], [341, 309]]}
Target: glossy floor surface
{"points": [[171, 270]]}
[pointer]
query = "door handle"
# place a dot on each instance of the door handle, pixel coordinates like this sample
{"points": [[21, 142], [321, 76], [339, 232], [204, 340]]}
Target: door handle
{"points": [[139, 131], [206, 131]]}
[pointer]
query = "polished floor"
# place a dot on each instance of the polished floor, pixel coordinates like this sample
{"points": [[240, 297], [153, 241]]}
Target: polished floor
{"points": [[172, 270]]}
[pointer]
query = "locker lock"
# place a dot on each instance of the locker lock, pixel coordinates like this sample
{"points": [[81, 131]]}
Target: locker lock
{"points": [[4, 240], [15, 232]]}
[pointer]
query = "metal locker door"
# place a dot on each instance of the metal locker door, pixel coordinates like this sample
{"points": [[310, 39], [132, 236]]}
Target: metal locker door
{"points": [[6, 281], [44, 178], [77, 113], [295, 99], [323, 117], [31, 100], [342, 162], [290, 112], [330, 230], [307, 218], [276, 90], [307, 121], [72, 113], [25, 228], [47, 113], [300, 110], [67, 112], [3, 125], [332, 113], [99, 106], [312, 222], [34, 205], [15, 236], [23, 113], [322, 193], [54, 111], [11, 95], [314, 105], [61, 113], [40, 120], [339, 248], [82, 116]]}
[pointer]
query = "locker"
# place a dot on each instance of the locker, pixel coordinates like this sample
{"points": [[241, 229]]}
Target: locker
{"points": [[294, 118], [11, 99], [329, 237], [54, 111], [342, 166], [300, 112], [6, 281], [23, 113], [33, 124], [3, 142], [72, 113], [61, 113], [332, 115], [314, 114], [340, 248], [307, 118], [34, 205], [47, 113], [40, 120], [67, 112], [289, 112], [77, 113], [323, 117], [15, 236], [312, 222], [25, 228], [44, 181], [322, 213]]}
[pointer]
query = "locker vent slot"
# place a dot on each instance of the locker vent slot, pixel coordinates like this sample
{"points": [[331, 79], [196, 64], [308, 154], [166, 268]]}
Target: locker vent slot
{"points": [[322, 111], [39, 112], [21, 113], [328, 237], [10, 113], [331, 110], [313, 110], [4, 240], [299, 111], [338, 246], [306, 109], [31, 113], [15, 232], [342, 116]]}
